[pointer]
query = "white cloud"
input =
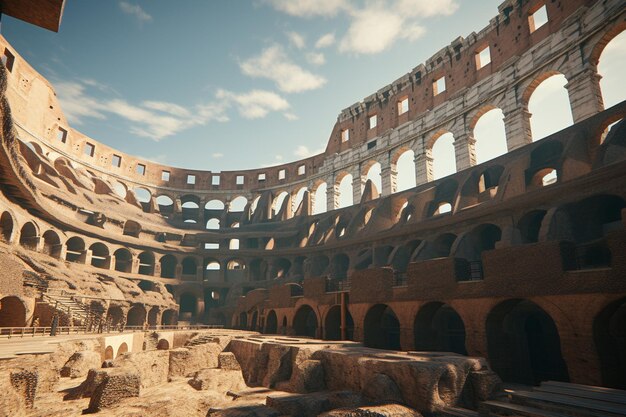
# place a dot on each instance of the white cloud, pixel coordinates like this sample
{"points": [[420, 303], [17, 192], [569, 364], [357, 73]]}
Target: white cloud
{"points": [[254, 104], [310, 8], [316, 58], [151, 119], [426, 8], [136, 11], [290, 116], [296, 39], [217, 155], [274, 64], [371, 31], [325, 41], [304, 152]]}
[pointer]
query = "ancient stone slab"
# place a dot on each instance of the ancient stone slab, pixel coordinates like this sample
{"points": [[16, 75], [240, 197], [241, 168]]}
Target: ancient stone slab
{"points": [[25, 383], [151, 366], [228, 361], [114, 387], [80, 363], [390, 410]]}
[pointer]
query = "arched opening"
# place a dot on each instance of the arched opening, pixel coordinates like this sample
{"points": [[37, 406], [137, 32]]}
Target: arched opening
{"points": [[524, 344], [6, 227], [609, 334], [143, 196], [120, 189], [123, 260], [345, 198], [281, 267], [277, 204], [168, 266], [297, 199], [146, 263], [51, 243], [213, 224], [75, 250], [115, 316], [373, 174], [108, 353], [188, 306], [136, 315], [332, 324], [271, 323], [611, 67], [254, 321], [243, 321], [530, 225], [305, 322], [211, 270], [168, 318], [490, 136], [238, 204], [163, 344], [319, 265], [190, 208], [190, 266], [153, 314], [233, 244], [549, 94], [444, 157], [132, 228], [214, 205], [438, 327], [319, 199], [122, 349], [12, 312], [166, 205], [381, 328], [100, 256], [405, 168], [28, 236]]}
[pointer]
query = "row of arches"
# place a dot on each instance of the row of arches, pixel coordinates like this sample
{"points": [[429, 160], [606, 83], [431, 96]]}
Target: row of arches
{"points": [[523, 340]]}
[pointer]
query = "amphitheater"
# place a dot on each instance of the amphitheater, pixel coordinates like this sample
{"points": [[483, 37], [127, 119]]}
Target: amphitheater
{"points": [[134, 288]]}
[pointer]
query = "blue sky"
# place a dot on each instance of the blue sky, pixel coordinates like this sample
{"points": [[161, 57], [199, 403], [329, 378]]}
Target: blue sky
{"points": [[223, 85]]}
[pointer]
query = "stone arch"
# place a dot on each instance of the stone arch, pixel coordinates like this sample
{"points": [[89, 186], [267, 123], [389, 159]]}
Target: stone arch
{"points": [[100, 255], [122, 349], [332, 324], [163, 344], [108, 353], [609, 334], [115, 316], [12, 312], [547, 90], [277, 204], [168, 266], [404, 162], [305, 321], [6, 227], [319, 200], [603, 51], [168, 318], [153, 315], [339, 266], [345, 197], [529, 225], [440, 147], [297, 199], [75, 249], [146, 263], [188, 306], [372, 171], [381, 328], [523, 343], [213, 224], [271, 323], [190, 266], [123, 260], [438, 327], [132, 228], [319, 265], [136, 316], [238, 204], [51, 243], [214, 205], [165, 204], [29, 236], [488, 130]]}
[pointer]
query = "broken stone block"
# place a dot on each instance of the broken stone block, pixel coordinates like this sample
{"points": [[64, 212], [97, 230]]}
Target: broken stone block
{"points": [[185, 361], [25, 383], [228, 361], [218, 380], [114, 387], [389, 410], [80, 363], [151, 366], [311, 405], [307, 376], [382, 388]]}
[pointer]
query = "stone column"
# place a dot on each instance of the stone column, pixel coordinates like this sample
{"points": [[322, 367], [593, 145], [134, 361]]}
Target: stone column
{"points": [[585, 96], [517, 128], [423, 168], [389, 177], [332, 194], [464, 150], [358, 183]]}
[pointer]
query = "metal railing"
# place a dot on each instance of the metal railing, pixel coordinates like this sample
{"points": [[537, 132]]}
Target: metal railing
{"points": [[9, 332]]}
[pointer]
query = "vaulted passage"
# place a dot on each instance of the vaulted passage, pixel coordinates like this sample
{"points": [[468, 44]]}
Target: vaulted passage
{"points": [[12, 312], [609, 334], [438, 327], [332, 324], [382, 328], [305, 322], [524, 344], [271, 323]]}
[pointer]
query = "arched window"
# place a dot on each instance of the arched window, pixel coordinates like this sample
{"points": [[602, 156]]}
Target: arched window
{"points": [[490, 136], [550, 107], [345, 191], [238, 204], [444, 159], [611, 67], [405, 168], [319, 205], [373, 174]]}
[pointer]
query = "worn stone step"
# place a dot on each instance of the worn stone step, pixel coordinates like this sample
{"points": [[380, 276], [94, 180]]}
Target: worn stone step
{"points": [[458, 412], [584, 391], [499, 408], [573, 406]]}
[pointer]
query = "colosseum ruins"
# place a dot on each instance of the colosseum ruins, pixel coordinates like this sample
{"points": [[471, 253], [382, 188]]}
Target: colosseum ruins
{"points": [[439, 300]]}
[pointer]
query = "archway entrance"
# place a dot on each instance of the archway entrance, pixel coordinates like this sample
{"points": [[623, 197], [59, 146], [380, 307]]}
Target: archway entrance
{"points": [[609, 334], [136, 316], [438, 327], [271, 323], [305, 322], [382, 328], [12, 312], [332, 324], [524, 344]]}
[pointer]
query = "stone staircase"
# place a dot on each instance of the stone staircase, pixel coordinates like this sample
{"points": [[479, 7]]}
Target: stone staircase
{"points": [[558, 399]]}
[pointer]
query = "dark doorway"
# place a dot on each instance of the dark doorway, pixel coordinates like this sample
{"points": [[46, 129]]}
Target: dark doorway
{"points": [[332, 324], [609, 333], [305, 322], [438, 327], [382, 328]]}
